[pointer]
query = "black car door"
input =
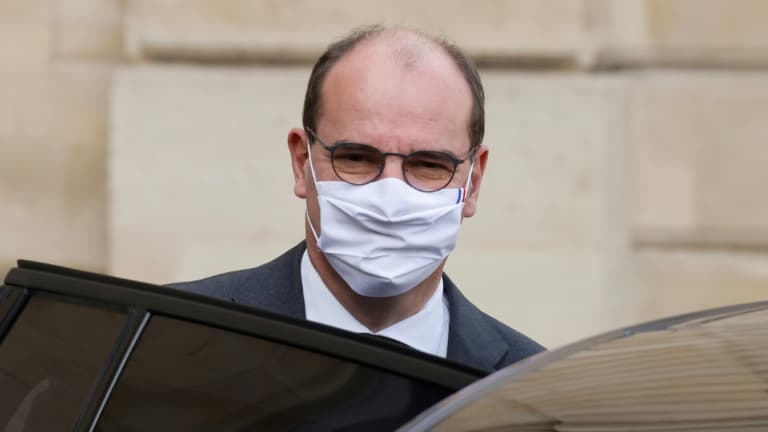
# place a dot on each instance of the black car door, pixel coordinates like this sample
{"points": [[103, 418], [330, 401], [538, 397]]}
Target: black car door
{"points": [[81, 351]]}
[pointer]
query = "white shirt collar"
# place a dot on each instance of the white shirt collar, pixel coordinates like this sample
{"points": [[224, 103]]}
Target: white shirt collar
{"points": [[427, 330]]}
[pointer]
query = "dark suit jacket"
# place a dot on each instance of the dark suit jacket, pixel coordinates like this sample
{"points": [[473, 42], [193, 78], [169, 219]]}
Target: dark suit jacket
{"points": [[474, 338]]}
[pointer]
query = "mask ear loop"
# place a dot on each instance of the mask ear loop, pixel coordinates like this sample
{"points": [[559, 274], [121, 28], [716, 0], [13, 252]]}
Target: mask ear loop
{"points": [[469, 180], [314, 179], [311, 227], [311, 165]]}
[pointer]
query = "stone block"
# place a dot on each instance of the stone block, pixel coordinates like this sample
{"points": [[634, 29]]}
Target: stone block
{"points": [[199, 157], [699, 152], [63, 103], [206, 29], [25, 33], [52, 172], [680, 32], [88, 30], [716, 24], [553, 296], [675, 281], [552, 139], [550, 240]]}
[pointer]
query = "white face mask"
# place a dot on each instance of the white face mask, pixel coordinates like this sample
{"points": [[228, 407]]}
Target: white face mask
{"points": [[385, 237]]}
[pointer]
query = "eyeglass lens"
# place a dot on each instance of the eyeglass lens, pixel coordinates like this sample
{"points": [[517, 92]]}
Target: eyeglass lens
{"points": [[361, 163]]}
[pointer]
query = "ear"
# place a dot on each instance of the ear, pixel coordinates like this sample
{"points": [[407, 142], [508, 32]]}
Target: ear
{"points": [[481, 159], [297, 145]]}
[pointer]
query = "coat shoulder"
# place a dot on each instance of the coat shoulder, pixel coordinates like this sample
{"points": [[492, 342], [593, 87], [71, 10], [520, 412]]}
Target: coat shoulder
{"points": [[520, 346], [480, 340], [219, 285], [239, 285]]}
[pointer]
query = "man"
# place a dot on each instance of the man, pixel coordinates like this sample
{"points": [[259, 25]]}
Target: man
{"points": [[389, 161]]}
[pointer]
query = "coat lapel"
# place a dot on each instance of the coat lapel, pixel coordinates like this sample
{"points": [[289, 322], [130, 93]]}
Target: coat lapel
{"points": [[471, 340], [275, 286]]}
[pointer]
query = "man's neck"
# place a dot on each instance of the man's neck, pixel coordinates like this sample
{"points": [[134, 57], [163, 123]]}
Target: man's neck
{"points": [[375, 313]]}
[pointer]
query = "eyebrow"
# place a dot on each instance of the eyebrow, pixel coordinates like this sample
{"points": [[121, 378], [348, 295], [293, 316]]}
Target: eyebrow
{"points": [[439, 150]]}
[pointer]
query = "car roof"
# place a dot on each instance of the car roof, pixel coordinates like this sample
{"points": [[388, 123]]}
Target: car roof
{"points": [[701, 371]]}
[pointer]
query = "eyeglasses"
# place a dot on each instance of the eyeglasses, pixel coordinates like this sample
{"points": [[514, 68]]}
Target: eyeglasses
{"points": [[359, 164]]}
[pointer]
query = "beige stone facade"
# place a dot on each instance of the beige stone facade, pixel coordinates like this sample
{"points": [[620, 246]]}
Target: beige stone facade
{"points": [[629, 147]]}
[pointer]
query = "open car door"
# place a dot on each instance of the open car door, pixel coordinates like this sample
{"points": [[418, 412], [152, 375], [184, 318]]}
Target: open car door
{"points": [[83, 352]]}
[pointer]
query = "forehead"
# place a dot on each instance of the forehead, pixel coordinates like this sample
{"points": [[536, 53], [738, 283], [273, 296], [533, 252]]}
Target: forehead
{"points": [[397, 94]]}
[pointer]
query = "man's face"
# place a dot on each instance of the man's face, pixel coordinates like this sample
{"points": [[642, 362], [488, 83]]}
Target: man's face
{"points": [[370, 98]]}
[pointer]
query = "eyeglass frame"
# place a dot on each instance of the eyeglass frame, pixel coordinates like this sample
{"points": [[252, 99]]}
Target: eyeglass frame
{"points": [[312, 135]]}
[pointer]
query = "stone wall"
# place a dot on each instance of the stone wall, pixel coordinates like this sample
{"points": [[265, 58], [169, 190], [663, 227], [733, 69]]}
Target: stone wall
{"points": [[56, 67], [146, 138]]}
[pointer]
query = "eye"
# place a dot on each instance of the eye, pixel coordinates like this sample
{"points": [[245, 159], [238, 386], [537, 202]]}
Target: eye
{"points": [[356, 160], [431, 164], [430, 161]]}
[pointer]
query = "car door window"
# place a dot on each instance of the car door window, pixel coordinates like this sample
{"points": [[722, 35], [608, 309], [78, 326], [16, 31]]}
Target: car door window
{"points": [[5, 293], [49, 361], [184, 376], [8, 296]]}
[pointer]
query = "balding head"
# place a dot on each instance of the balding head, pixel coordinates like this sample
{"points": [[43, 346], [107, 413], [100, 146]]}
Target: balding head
{"points": [[408, 49], [405, 48]]}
